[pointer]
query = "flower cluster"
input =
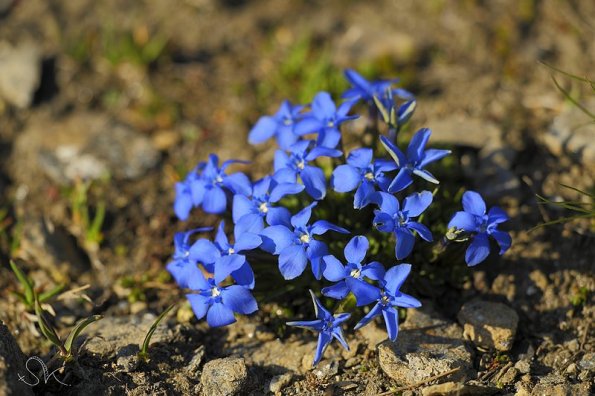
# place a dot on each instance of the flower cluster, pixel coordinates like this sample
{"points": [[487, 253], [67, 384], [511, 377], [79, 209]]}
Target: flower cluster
{"points": [[217, 275]]}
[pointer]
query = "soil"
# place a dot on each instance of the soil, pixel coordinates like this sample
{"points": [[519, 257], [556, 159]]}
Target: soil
{"points": [[185, 78]]}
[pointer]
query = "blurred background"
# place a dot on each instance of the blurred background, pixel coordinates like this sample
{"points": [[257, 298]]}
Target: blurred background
{"points": [[104, 105]]}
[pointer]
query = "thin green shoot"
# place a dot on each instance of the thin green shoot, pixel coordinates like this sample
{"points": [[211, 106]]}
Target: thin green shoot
{"points": [[144, 351]]}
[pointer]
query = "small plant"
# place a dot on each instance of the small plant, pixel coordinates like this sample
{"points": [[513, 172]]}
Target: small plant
{"points": [[144, 350], [297, 217], [87, 225], [579, 208], [28, 295]]}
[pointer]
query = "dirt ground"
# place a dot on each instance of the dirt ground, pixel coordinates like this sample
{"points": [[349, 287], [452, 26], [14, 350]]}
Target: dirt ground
{"points": [[150, 88]]}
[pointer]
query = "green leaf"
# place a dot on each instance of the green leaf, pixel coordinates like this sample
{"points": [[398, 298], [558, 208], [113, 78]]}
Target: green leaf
{"points": [[46, 329], [144, 352], [80, 326], [45, 296], [25, 282]]}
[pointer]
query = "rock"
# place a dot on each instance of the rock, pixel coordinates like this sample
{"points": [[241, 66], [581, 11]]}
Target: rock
{"points": [[524, 366], [12, 364], [572, 132], [192, 369], [556, 385], [286, 355], [127, 358], [20, 73], [279, 382], [508, 377], [224, 377], [373, 334], [421, 352], [457, 389], [587, 362], [85, 146], [464, 131], [489, 325]]}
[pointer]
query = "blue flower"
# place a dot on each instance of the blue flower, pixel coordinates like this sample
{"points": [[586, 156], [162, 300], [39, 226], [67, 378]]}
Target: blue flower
{"points": [[475, 220], [325, 119], [181, 261], [328, 326], [389, 298], [249, 212], [223, 258], [350, 278], [216, 302], [391, 218], [295, 244], [281, 125], [288, 167], [363, 173], [414, 162], [363, 89], [207, 187]]}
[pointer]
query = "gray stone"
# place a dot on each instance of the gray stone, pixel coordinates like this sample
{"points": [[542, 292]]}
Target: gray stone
{"points": [[84, 146], [193, 367], [421, 352], [457, 389], [489, 325], [279, 382], [12, 364], [224, 377], [524, 366], [20, 73], [556, 385], [127, 358], [573, 133]]}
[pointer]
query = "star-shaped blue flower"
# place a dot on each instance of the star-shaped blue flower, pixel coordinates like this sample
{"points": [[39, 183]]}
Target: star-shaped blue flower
{"points": [[281, 125], [351, 277], [362, 173], [389, 298], [223, 258], [249, 212], [325, 119], [181, 260], [216, 302], [328, 326], [295, 244], [474, 219], [415, 161], [392, 218], [289, 167]]}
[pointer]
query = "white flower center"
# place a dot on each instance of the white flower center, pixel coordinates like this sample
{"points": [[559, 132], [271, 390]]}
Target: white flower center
{"points": [[215, 292], [301, 164], [263, 207], [330, 124], [218, 179], [355, 273], [230, 251], [369, 176], [305, 238]]}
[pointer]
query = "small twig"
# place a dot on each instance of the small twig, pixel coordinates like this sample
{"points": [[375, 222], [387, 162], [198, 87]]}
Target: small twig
{"points": [[502, 371], [420, 383]]}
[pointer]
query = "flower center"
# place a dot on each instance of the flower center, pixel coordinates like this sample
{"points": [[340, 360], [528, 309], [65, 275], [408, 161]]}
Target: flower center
{"points": [[385, 300], [305, 238], [263, 207], [287, 121], [330, 124], [369, 176], [218, 179], [402, 218], [215, 292], [230, 251], [301, 164], [355, 273]]}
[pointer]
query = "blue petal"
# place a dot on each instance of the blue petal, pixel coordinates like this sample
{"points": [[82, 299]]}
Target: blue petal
{"points": [[427, 176], [329, 138], [301, 218], [383, 222], [391, 320], [198, 191], [432, 155], [323, 106], [196, 280], [375, 311], [405, 242], [373, 271], [463, 221], [244, 276], [314, 324], [356, 248], [401, 181], [199, 304], [281, 160], [496, 216], [246, 241], [286, 137], [337, 333], [242, 206], [285, 175], [264, 129], [322, 226], [386, 202], [364, 292], [394, 151], [292, 261], [214, 201], [473, 203], [395, 277], [345, 178], [503, 239], [180, 270], [238, 183], [417, 145], [478, 250], [221, 238], [334, 271], [276, 238], [406, 111], [182, 204], [261, 187], [283, 189], [238, 299], [219, 315], [363, 194], [416, 203], [360, 158], [323, 340], [279, 216], [322, 152], [337, 291], [307, 125], [226, 265], [314, 181], [406, 301], [251, 222], [422, 230], [315, 251], [204, 251]]}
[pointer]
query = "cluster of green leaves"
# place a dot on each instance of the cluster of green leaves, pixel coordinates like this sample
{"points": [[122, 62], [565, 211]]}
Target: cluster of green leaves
{"points": [[87, 220]]}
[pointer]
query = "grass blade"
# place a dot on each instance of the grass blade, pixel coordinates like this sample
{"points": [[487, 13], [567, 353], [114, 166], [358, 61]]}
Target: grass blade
{"points": [[25, 282], [80, 326], [144, 352]]}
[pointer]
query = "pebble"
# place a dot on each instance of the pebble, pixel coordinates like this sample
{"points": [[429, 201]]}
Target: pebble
{"points": [[20, 73], [489, 325], [224, 377], [524, 366], [279, 382]]}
